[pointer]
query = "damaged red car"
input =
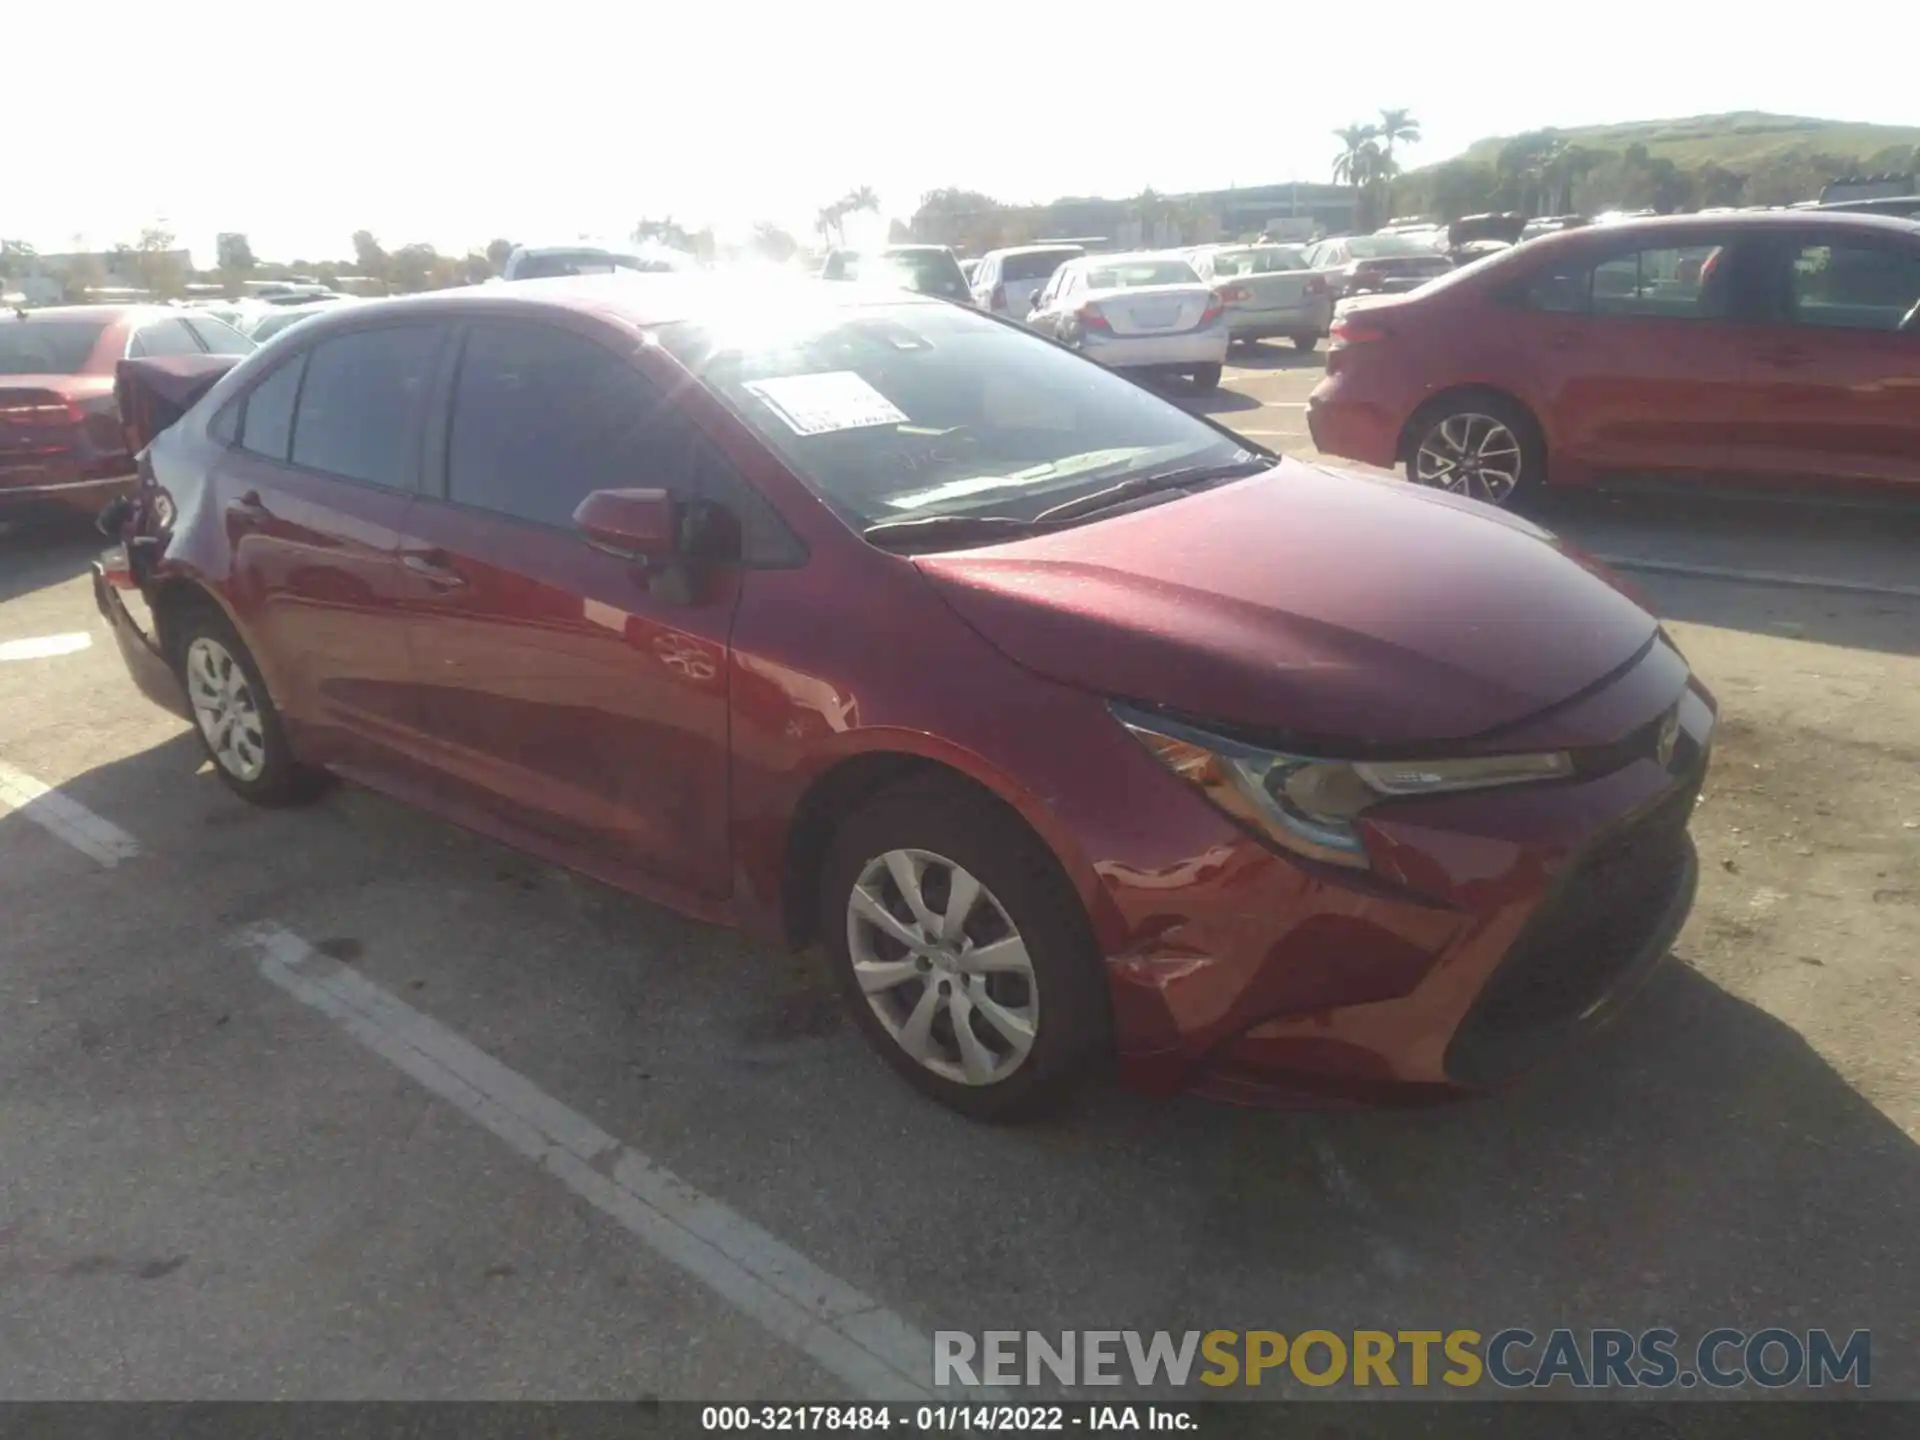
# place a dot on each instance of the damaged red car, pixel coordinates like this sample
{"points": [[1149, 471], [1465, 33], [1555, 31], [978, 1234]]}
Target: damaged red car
{"points": [[1077, 729]]}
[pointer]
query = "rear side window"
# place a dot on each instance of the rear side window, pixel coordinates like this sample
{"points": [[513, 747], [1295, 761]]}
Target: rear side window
{"points": [[266, 420], [1015, 268], [219, 337], [1685, 283], [360, 401], [165, 337], [1855, 287]]}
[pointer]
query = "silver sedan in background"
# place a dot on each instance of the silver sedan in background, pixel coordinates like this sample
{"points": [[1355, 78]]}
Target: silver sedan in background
{"points": [[1145, 312], [1268, 290]]}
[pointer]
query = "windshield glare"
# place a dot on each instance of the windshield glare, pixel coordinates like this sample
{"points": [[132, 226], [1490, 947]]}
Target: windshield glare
{"points": [[47, 347], [899, 412]]}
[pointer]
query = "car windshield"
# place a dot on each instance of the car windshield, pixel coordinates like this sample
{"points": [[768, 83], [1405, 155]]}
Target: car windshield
{"points": [[47, 347], [1390, 247], [1035, 265], [911, 410], [1131, 275], [1265, 260]]}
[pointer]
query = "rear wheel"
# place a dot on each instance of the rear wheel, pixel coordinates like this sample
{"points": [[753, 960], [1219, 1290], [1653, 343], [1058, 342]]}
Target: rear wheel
{"points": [[1207, 378], [234, 716], [962, 953], [1305, 342], [1482, 446]]}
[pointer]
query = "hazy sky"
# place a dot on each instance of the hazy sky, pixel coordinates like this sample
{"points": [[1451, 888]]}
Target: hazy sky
{"points": [[451, 124]]}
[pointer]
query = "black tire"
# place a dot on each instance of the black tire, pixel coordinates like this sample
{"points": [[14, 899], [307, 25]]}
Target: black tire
{"points": [[1515, 417], [1305, 343], [1073, 1034], [1207, 379], [281, 779]]}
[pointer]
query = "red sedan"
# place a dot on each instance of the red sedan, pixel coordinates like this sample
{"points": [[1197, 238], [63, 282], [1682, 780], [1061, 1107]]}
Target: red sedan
{"points": [[60, 436], [1075, 727], [1776, 345]]}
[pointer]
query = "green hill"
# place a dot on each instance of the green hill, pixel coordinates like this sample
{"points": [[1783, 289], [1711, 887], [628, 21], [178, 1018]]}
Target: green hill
{"points": [[1745, 140]]}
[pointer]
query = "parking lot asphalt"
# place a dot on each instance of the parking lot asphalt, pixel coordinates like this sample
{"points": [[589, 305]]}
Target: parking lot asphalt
{"points": [[345, 1102]]}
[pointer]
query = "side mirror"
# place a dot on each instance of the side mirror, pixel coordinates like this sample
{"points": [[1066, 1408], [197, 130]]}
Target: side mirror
{"points": [[639, 525]]}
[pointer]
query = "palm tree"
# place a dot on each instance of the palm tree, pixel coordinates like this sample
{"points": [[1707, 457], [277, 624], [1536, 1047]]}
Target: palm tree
{"points": [[1352, 166], [862, 198], [1398, 125], [827, 222]]}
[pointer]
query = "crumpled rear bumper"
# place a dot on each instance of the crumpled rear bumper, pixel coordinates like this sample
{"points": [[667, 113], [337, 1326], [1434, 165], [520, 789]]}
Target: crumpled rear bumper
{"points": [[139, 648]]}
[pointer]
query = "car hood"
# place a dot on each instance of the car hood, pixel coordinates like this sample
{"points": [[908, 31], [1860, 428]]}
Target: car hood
{"points": [[1319, 605]]}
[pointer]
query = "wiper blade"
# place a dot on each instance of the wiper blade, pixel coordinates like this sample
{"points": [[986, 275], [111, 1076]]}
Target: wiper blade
{"points": [[945, 529], [1141, 485]]}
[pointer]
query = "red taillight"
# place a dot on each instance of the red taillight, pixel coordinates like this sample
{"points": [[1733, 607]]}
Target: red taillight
{"points": [[1232, 294], [997, 300], [1092, 318], [1346, 331], [1216, 307]]}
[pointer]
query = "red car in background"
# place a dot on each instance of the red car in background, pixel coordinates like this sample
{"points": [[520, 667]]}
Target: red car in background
{"points": [[1075, 727], [60, 435], [1770, 345]]}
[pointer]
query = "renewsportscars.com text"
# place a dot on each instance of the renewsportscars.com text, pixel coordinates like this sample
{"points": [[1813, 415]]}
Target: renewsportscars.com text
{"points": [[1772, 1358]]}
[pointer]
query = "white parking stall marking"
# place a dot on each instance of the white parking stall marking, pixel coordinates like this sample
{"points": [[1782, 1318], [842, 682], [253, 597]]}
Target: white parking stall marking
{"points": [[41, 647], [857, 1340], [64, 818]]}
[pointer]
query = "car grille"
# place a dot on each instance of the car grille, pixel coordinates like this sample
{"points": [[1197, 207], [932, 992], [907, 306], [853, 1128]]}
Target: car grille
{"points": [[1615, 901]]}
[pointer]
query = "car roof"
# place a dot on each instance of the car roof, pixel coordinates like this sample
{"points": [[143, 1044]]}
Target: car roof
{"points": [[1135, 257], [1752, 220], [1035, 250], [640, 299]]}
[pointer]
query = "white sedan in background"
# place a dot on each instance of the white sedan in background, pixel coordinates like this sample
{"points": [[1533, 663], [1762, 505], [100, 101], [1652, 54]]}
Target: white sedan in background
{"points": [[1146, 312]]}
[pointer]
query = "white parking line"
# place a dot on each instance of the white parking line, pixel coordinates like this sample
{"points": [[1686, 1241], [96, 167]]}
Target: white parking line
{"points": [[41, 646], [64, 818], [874, 1351]]}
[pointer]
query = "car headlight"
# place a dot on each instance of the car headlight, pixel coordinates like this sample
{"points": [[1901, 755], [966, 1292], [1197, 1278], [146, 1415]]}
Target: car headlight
{"points": [[1308, 804]]}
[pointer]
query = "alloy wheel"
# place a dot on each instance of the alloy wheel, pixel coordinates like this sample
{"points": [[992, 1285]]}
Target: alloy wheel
{"points": [[225, 709], [1470, 454], [943, 966]]}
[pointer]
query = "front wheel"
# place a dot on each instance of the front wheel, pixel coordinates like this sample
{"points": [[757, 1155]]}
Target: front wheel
{"points": [[1305, 342], [1207, 379], [234, 715], [1481, 446], [962, 953]]}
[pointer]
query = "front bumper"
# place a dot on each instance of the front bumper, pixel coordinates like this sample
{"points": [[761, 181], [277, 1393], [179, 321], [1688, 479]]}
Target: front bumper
{"points": [[1495, 931], [139, 647], [1171, 352], [1353, 428]]}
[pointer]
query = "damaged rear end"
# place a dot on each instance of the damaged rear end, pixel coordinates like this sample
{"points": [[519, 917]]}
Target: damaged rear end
{"points": [[152, 396]]}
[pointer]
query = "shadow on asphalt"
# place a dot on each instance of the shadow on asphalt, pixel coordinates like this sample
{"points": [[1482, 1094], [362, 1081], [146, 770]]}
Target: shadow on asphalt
{"points": [[1275, 355], [44, 549], [1220, 402], [1699, 1165]]}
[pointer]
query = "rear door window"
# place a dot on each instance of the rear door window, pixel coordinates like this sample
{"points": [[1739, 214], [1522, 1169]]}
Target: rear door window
{"points": [[1855, 287], [266, 419], [1692, 282], [165, 337], [361, 402]]}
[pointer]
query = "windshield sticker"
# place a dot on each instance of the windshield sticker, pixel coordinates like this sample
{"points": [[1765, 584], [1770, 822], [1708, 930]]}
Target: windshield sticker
{"points": [[822, 404]]}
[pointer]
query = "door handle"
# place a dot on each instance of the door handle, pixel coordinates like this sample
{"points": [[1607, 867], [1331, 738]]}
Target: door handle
{"points": [[432, 568]]}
